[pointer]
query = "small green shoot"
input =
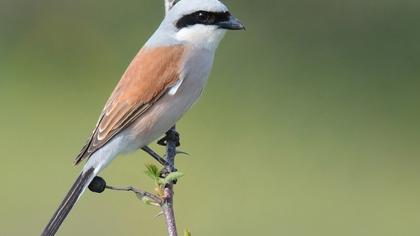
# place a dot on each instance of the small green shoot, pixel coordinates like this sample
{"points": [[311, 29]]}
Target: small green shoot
{"points": [[187, 232], [147, 200], [171, 177], [153, 172]]}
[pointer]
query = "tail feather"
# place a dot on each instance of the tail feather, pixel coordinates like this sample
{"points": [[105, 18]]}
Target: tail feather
{"points": [[71, 198]]}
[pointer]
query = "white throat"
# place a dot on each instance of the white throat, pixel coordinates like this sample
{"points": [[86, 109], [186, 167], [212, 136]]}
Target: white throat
{"points": [[202, 36]]}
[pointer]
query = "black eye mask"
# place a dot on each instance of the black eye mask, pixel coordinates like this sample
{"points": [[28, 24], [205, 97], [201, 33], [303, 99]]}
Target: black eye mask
{"points": [[203, 18]]}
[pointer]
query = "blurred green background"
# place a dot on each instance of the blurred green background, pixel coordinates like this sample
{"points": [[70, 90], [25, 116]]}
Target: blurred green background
{"points": [[309, 124]]}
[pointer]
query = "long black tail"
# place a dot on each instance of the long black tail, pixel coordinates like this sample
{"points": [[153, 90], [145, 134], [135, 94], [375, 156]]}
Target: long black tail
{"points": [[63, 210]]}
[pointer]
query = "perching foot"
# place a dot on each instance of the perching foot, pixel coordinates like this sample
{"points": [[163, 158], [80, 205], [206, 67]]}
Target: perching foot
{"points": [[170, 135]]}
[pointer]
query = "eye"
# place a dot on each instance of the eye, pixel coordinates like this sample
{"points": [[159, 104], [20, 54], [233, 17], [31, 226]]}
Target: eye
{"points": [[202, 16], [205, 17]]}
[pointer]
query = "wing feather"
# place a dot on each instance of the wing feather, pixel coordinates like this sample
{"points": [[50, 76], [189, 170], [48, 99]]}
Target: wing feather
{"points": [[151, 73]]}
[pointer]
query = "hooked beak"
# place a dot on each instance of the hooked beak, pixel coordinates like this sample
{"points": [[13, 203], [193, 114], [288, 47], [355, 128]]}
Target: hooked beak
{"points": [[231, 24]]}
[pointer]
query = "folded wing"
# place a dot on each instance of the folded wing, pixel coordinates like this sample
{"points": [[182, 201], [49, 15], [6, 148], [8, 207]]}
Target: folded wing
{"points": [[151, 73]]}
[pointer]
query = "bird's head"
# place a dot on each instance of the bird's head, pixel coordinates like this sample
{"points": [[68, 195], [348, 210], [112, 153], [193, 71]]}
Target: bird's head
{"points": [[201, 23]]}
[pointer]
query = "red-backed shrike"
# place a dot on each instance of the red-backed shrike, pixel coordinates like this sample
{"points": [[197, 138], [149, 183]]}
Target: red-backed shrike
{"points": [[161, 83]]}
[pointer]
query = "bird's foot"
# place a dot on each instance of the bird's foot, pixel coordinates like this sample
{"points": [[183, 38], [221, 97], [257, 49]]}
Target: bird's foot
{"points": [[170, 135]]}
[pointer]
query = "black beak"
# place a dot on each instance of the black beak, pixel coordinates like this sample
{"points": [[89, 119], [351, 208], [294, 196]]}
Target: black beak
{"points": [[231, 24]]}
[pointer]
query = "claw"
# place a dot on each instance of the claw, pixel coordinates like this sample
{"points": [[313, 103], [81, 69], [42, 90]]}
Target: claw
{"points": [[170, 135], [162, 141]]}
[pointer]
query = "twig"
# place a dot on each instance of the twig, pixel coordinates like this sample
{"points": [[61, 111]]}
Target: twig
{"points": [[140, 193], [167, 206]]}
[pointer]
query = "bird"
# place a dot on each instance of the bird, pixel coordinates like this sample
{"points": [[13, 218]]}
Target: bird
{"points": [[165, 78]]}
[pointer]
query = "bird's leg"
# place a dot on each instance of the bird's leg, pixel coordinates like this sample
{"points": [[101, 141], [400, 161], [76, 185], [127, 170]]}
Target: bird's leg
{"points": [[170, 135], [155, 156]]}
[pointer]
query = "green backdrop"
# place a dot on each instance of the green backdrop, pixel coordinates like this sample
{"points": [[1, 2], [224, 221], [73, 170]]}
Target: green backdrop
{"points": [[309, 124]]}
